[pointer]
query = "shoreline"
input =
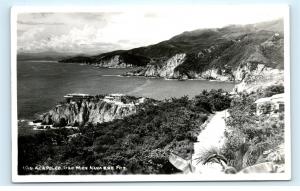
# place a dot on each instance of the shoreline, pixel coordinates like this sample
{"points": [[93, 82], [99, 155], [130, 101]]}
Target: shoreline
{"points": [[178, 79], [151, 77]]}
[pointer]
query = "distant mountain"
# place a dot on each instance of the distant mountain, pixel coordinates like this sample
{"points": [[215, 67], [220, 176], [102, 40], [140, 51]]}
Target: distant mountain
{"points": [[48, 55], [229, 53]]}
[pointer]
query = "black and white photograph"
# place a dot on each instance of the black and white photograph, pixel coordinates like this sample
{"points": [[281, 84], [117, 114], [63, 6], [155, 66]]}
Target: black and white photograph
{"points": [[170, 93]]}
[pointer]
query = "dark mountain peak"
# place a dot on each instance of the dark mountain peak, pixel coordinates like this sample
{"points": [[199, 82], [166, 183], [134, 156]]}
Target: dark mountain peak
{"points": [[190, 35]]}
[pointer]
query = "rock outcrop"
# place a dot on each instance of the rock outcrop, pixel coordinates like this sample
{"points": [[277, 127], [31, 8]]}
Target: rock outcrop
{"points": [[215, 74], [165, 69], [85, 111], [113, 62]]}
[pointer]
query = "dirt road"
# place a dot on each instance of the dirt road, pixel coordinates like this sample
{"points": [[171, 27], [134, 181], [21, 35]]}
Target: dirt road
{"points": [[212, 137]]}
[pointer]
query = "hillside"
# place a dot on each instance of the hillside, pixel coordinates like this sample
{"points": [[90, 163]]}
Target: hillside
{"points": [[228, 54]]}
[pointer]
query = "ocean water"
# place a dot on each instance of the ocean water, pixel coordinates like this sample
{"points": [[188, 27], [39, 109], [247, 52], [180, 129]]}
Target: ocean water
{"points": [[42, 84]]}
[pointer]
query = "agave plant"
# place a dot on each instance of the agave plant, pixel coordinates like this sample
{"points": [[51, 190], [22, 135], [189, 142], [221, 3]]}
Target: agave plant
{"points": [[213, 155]]}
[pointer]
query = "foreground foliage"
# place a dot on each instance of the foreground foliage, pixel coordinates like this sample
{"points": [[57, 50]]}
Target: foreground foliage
{"points": [[249, 135], [141, 142]]}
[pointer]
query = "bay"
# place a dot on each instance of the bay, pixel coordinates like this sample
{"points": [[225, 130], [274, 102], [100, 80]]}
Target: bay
{"points": [[42, 84]]}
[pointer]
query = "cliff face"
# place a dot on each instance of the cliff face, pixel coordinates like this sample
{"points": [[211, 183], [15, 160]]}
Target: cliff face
{"points": [[264, 67], [261, 78], [113, 62], [76, 113], [165, 69]]}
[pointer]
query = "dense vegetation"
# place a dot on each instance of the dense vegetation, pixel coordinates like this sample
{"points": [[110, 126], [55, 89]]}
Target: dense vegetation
{"points": [[125, 57], [140, 142], [249, 135]]}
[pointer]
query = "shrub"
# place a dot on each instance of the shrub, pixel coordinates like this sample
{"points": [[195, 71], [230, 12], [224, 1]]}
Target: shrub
{"points": [[272, 90], [214, 100]]}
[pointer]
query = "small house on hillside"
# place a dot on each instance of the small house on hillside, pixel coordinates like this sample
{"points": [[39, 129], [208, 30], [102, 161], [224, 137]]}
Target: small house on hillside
{"points": [[117, 97], [114, 97], [270, 105], [77, 97]]}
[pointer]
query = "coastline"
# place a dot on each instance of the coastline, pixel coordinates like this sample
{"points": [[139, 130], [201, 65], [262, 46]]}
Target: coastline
{"points": [[143, 76], [178, 79]]}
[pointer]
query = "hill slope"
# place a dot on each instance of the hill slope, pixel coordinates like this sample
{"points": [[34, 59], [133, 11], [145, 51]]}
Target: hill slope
{"points": [[231, 53]]}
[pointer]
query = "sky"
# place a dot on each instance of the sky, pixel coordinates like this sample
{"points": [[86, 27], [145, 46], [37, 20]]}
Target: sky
{"points": [[97, 31]]}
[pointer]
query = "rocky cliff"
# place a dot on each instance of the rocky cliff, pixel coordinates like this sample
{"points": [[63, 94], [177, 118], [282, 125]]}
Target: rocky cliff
{"points": [[260, 80], [165, 69], [82, 112], [113, 62]]}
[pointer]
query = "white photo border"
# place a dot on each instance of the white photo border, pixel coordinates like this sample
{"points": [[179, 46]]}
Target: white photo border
{"points": [[15, 10]]}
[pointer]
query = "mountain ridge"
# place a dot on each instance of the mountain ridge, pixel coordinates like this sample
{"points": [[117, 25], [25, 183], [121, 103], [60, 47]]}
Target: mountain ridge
{"points": [[230, 53]]}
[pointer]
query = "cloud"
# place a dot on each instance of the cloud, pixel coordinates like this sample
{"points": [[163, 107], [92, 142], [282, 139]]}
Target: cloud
{"points": [[107, 31], [87, 38], [34, 33]]}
